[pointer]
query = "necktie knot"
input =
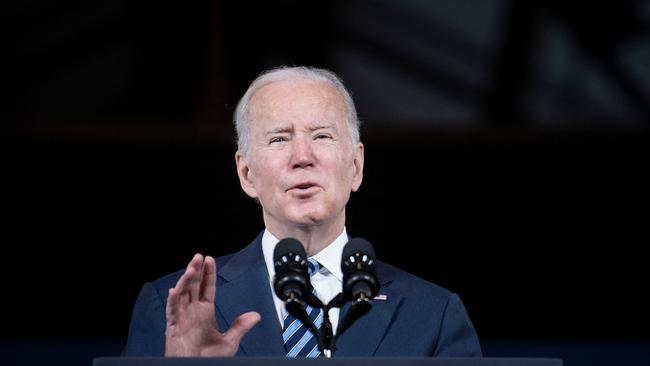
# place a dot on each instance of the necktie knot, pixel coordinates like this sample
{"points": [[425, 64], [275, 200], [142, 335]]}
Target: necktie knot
{"points": [[314, 266]]}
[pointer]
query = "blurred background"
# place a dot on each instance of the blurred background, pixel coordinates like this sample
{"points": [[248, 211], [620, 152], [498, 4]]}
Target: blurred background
{"points": [[506, 159]]}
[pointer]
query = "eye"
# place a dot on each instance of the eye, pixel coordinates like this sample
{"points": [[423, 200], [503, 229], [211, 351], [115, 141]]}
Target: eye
{"points": [[323, 136], [278, 139]]}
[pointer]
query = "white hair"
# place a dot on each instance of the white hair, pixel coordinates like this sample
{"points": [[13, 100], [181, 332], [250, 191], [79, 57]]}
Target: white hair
{"points": [[291, 73]]}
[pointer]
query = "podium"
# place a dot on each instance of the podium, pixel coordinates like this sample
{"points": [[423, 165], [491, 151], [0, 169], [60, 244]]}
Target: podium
{"points": [[334, 361]]}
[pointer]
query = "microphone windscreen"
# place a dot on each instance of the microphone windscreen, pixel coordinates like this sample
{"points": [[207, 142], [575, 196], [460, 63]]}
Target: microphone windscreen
{"points": [[286, 246], [358, 245]]}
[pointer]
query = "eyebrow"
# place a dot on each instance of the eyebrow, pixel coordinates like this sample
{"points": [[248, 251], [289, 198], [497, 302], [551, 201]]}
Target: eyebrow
{"points": [[279, 130], [291, 129], [323, 127]]}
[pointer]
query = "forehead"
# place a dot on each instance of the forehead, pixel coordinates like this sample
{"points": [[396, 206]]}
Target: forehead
{"points": [[302, 96]]}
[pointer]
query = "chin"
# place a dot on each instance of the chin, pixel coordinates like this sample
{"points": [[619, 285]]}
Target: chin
{"points": [[307, 221], [307, 218]]}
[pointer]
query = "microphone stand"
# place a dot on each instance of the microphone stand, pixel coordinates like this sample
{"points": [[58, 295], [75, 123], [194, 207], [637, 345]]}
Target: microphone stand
{"points": [[326, 334], [297, 307], [326, 337]]}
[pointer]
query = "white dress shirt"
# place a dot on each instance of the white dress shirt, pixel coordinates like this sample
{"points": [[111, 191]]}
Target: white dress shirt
{"points": [[328, 282]]}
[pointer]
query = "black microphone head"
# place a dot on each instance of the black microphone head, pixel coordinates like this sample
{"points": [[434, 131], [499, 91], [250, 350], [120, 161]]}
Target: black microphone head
{"points": [[359, 270], [358, 245], [291, 278], [286, 246]]}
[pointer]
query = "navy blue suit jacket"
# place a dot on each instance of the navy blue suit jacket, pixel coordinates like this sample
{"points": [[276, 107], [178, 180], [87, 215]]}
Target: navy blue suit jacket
{"points": [[417, 318]]}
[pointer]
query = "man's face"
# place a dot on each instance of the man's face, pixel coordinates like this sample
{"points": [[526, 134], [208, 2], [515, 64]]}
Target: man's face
{"points": [[302, 165]]}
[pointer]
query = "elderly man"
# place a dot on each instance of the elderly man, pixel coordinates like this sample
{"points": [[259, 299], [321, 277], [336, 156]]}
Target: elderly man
{"points": [[299, 154]]}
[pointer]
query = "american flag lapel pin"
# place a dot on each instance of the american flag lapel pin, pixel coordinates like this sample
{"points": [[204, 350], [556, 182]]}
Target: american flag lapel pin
{"points": [[381, 297]]}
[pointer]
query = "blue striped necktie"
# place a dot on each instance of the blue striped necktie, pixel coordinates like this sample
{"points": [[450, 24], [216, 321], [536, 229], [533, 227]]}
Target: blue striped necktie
{"points": [[298, 340]]}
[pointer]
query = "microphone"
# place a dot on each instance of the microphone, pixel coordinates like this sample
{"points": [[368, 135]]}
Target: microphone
{"points": [[360, 281], [291, 280]]}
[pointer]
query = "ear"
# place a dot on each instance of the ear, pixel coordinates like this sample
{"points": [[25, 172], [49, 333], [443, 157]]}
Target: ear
{"points": [[245, 175], [357, 176]]}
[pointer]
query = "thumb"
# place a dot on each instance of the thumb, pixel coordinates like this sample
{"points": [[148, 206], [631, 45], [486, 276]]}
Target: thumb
{"points": [[242, 325]]}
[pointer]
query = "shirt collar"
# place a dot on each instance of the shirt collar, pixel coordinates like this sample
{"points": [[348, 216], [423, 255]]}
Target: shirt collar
{"points": [[329, 257]]}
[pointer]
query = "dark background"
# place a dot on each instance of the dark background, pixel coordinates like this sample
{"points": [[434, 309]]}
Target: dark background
{"points": [[506, 158]]}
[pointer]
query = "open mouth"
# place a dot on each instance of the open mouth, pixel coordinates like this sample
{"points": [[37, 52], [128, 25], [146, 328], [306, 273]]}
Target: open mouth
{"points": [[305, 187]]}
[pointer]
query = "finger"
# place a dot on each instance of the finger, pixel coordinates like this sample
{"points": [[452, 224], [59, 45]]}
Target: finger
{"points": [[173, 307], [195, 280], [184, 300], [189, 281], [209, 280], [241, 326], [183, 285]]}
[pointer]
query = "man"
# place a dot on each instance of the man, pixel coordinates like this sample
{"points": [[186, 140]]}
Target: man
{"points": [[300, 156]]}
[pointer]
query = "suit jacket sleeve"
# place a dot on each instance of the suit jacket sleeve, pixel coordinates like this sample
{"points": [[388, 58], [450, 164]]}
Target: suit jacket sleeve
{"points": [[147, 329], [457, 336]]}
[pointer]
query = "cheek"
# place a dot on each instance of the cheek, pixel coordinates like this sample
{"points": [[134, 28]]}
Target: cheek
{"points": [[266, 175], [342, 178], [345, 169], [259, 165]]}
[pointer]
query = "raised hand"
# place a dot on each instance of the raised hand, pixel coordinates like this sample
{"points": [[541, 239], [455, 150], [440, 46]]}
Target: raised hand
{"points": [[191, 325]]}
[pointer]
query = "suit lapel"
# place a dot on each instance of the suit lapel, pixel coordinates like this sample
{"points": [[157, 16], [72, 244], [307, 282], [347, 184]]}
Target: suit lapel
{"points": [[245, 288], [365, 335]]}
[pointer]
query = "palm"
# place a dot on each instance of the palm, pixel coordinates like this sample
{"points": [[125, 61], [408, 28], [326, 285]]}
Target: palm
{"points": [[191, 326]]}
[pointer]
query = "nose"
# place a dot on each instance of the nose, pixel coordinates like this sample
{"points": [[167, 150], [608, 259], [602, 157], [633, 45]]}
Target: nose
{"points": [[302, 153]]}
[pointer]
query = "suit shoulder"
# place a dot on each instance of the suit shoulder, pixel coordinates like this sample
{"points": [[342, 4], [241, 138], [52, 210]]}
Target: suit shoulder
{"points": [[409, 284]]}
